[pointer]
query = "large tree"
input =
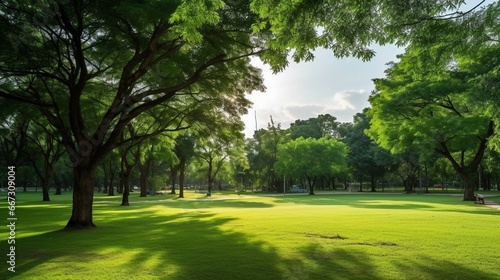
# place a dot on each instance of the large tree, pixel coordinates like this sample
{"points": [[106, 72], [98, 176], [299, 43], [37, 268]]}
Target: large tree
{"points": [[448, 111]]}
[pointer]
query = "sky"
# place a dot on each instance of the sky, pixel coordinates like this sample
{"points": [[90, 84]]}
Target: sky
{"points": [[327, 85], [339, 87]]}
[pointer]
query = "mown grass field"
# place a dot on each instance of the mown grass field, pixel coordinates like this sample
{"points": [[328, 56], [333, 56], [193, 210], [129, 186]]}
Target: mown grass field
{"points": [[248, 236]]}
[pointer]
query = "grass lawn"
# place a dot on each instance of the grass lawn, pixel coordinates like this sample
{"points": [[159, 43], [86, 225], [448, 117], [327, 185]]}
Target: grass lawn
{"points": [[326, 236]]}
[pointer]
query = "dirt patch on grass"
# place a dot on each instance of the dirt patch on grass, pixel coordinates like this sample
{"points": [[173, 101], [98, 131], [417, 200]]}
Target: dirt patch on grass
{"points": [[338, 236]]}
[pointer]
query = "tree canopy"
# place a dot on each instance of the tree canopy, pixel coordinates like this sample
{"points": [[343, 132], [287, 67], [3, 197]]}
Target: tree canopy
{"points": [[311, 158], [441, 111]]}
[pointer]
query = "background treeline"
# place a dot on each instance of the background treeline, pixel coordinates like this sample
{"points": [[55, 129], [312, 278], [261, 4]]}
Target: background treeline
{"points": [[318, 153]]}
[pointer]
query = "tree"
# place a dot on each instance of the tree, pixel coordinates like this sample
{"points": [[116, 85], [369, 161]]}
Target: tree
{"points": [[216, 151], [129, 157], [50, 150], [311, 158], [365, 157], [184, 151], [321, 126], [438, 111], [492, 168], [262, 154], [111, 168]]}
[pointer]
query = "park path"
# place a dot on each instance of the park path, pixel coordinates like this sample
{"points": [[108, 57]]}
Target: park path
{"points": [[492, 204]]}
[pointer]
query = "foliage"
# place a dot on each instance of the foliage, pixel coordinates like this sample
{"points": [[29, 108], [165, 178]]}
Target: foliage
{"points": [[441, 112], [321, 126], [311, 158], [346, 27], [262, 153], [365, 157]]}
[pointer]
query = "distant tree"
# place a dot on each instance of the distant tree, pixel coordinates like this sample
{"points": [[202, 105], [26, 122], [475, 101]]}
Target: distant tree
{"points": [[491, 166], [49, 148], [129, 158], [321, 126], [111, 168], [215, 152], [262, 154], [184, 151], [311, 158], [155, 152], [365, 157]]}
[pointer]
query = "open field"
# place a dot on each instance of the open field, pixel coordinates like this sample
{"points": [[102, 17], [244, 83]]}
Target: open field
{"points": [[249, 236]]}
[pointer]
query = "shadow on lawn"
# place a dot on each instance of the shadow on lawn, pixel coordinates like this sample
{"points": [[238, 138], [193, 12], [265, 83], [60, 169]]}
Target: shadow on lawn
{"points": [[183, 246], [316, 262]]}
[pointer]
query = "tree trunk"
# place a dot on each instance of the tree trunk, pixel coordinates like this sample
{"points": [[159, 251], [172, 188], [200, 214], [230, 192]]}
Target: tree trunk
{"points": [[45, 187], [47, 176], [111, 188], [145, 170], [181, 179], [58, 183], [105, 180], [210, 179], [372, 183], [126, 188], [173, 176], [311, 184], [143, 184], [120, 186], [469, 185], [126, 171], [83, 194]]}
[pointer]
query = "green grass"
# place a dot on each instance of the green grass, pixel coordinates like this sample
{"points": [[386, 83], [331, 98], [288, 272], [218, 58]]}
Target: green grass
{"points": [[329, 236]]}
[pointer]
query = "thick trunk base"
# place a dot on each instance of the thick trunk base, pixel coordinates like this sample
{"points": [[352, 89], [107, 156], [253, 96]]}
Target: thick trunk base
{"points": [[83, 194], [78, 225]]}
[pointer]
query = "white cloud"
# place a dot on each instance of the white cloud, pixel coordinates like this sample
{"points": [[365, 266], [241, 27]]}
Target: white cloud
{"points": [[350, 100], [343, 105], [303, 111]]}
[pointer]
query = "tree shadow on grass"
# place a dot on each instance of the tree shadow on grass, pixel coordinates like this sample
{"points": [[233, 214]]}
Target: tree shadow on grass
{"points": [[342, 262], [149, 246], [427, 268], [316, 262]]}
